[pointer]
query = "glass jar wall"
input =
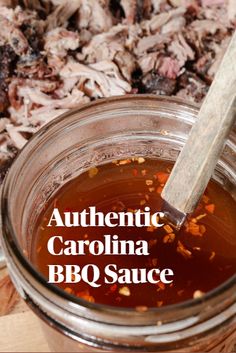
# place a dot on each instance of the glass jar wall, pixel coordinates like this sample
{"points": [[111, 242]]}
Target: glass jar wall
{"points": [[97, 133]]}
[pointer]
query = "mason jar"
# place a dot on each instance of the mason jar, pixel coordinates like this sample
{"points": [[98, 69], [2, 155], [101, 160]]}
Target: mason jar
{"points": [[114, 128]]}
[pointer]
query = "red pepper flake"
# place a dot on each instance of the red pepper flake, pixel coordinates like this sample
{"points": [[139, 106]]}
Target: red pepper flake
{"points": [[141, 308], [169, 238], [168, 228], [39, 249], [162, 177], [213, 254], [113, 288], [135, 172], [159, 189], [193, 220], [149, 182], [198, 294], [152, 242], [200, 216], [144, 172], [92, 172], [141, 160], [210, 208], [125, 161], [124, 291], [183, 251], [161, 286], [194, 228], [86, 296], [180, 292], [159, 303], [68, 290], [202, 229]]}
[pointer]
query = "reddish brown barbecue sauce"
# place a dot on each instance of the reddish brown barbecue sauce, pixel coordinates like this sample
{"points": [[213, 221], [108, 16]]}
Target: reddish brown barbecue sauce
{"points": [[202, 255]]}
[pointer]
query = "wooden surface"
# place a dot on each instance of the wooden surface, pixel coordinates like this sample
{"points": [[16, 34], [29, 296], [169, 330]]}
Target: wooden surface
{"points": [[201, 152], [21, 333], [20, 329]]}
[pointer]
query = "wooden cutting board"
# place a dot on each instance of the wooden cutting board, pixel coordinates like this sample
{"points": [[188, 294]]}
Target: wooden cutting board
{"points": [[20, 329], [21, 333]]}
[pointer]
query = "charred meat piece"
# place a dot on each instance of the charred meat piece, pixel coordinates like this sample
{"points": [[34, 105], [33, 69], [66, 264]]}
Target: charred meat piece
{"points": [[4, 166], [190, 85], [7, 65], [13, 35], [3, 101], [136, 10], [154, 83]]}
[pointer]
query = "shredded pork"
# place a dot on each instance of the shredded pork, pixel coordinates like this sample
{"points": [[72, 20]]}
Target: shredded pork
{"points": [[56, 55]]}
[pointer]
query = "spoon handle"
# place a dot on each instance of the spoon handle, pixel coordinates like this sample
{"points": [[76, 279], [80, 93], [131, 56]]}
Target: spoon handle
{"points": [[200, 154]]}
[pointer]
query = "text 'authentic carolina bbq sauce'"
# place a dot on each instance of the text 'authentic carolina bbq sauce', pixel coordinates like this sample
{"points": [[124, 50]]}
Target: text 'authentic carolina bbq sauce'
{"points": [[202, 255]]}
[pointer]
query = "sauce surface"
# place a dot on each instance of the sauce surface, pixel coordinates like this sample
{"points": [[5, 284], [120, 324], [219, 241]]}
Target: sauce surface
{"points": [[202, 254]]}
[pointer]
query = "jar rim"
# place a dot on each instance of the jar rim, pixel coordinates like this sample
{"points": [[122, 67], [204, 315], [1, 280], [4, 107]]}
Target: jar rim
{"points": [[10, 239]]}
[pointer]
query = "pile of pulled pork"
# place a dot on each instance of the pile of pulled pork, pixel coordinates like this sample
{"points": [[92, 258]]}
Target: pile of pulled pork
{"points": [[59, 54]]}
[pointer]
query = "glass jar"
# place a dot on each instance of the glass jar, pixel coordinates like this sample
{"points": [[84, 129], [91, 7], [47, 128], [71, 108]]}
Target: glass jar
{"points": [[99, 132]]}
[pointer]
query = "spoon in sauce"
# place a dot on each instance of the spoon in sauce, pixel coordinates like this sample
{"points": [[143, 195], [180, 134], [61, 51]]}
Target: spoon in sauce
{"points": [[200, 154]]}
